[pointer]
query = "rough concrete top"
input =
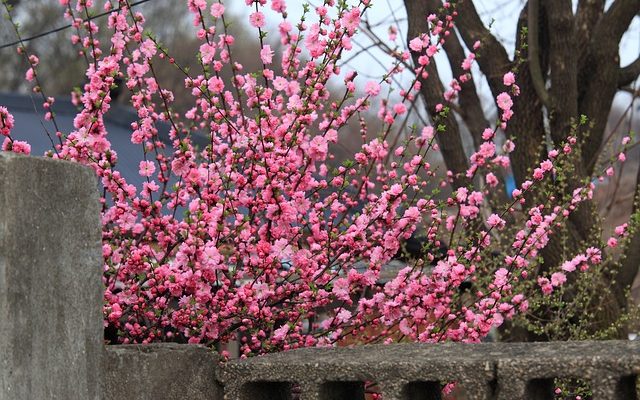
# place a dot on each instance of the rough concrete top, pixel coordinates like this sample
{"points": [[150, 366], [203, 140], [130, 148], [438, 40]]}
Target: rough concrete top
{"points": [[446, 353], [485, 370]]}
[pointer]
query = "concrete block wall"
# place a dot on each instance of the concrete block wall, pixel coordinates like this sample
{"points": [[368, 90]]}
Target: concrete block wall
{"points": [[485, 371], [51, 329]]}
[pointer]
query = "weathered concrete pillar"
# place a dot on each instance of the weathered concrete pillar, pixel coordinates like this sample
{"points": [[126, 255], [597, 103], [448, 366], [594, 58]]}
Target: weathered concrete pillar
{"points": [[50, 281]]}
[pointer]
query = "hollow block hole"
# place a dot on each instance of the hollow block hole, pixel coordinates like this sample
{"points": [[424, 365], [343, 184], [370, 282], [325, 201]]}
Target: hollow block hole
{"points": [[342, 391], [540, 389], [427, 390], [267, 391], [628, 387]]}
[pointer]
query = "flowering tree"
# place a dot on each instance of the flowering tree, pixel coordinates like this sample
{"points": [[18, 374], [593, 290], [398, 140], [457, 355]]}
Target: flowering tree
{"points": [[261, 232]]}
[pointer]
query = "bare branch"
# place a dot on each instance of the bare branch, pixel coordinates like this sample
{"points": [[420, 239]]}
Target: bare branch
{"points": [[470, 105], [618, 17], [433, 92], [563, 69], [629, 73], [599, 72], [534, 56], [630, 263], [493, 60], [527, 124]]}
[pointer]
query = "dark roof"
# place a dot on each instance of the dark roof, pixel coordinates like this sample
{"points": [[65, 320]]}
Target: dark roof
{"points": [[30, 127]]}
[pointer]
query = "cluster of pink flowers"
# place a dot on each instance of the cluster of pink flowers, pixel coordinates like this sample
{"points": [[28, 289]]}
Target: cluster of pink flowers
{"points": [[7, 123], [261, 235]]}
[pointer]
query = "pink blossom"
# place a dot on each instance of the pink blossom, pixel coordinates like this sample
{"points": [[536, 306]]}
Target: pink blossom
{"points": [[318, 148], [280, 333], [508, 146], [217, 10], [399, 108], [568, 266], [468, 62], [494, 220], [508, 79], [372, 88], [343, 316], [416, 44], [16, 146], [147, 168], [545, 285], [341, 288], [538, 174], [501, 277], [487, 134], [351, 19], [208, 52], [216, 85], [504, 101], [491, 179], [197, 4], [558, 279], [257, 19], [278, 6], [30, 75], [266, 54], [594, 255], [6, 121], [396, 190]]}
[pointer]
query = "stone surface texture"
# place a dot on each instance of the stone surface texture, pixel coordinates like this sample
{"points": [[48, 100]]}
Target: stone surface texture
{"points": [[503, 371], [50, 280], [161, 372]]}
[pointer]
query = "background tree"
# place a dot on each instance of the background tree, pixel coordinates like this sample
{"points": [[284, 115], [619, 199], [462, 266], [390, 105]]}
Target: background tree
{"points": [[568, 67]]}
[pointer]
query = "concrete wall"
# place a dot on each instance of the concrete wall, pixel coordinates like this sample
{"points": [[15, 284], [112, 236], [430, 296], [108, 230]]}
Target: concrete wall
{"points": [[161, 371], [484, 371], [50, 280], [51, 329]]}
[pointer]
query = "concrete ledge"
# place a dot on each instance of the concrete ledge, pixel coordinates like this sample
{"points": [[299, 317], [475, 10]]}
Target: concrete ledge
{"points": [[415, 371], [526, 370], [401, 371]]}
